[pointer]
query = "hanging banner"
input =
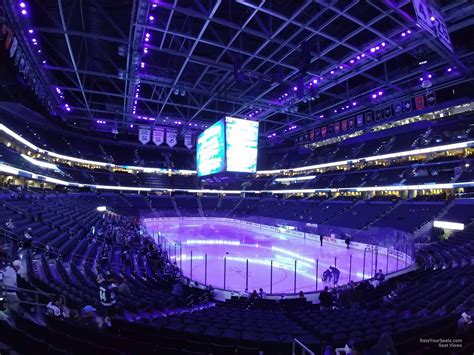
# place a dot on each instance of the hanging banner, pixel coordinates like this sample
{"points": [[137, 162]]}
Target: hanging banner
{"points": [[344, 125], [387, 112], [351, 122], [188, 140], [144, 134], [431, 99], [407, 105], [397, 108], [368, 117], [13, 47], [158, 135], [360, 120], [336, 127], [311, 135], [171, 137], [317, 133], [420, 102], [323, 132], [378, 115]]}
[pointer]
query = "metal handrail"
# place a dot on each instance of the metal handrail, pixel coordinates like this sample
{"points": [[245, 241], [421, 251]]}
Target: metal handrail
{"points": [[306, 350]]}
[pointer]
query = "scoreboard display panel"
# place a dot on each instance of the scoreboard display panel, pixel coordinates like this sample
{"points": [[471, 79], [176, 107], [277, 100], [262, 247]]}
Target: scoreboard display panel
{"points": [[230, 144], [241, 145], [210, 150]]}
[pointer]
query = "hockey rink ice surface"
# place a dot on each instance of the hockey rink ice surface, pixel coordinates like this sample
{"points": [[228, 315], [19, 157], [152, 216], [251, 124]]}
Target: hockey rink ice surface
{"points": [[238, 243]]}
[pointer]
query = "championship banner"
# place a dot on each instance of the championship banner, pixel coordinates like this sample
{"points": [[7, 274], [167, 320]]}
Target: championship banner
{"points": [[420, 102], [144, 134], [13, 47], [351, 122], [189, 140], [336, 127], [407, 105], [360, 120], [368, 117], [398, 108], [158, 135], [311, 135], [317, 133], [430, 99], [344, 125], [387, 112], [378, 115], [330, 129], [323, 132], [171, 137]]}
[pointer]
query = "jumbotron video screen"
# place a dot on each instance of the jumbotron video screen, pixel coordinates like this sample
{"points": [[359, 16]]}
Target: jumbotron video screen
{"points": [[230, 145]]}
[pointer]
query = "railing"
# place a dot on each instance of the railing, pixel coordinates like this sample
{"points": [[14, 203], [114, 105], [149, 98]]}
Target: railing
{"points": [[304, 349]]}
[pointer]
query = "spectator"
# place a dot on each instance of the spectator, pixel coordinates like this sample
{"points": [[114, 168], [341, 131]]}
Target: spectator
{"points": [[325, 299], [464, 324], [301, 294], [379, 276], [124, 289], [321, 239], [262, 295], [10, 284], [107, 295], [55, 309], [335, 274], [89, 318], [27, 239], [254, 295], [348, 242]]}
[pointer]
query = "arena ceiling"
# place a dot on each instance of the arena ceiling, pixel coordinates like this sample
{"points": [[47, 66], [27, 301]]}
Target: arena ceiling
{"points": [[288, 64]]}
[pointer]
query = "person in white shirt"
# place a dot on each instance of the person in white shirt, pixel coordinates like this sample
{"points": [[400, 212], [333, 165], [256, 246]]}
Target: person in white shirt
{"points": [[10, 285]]}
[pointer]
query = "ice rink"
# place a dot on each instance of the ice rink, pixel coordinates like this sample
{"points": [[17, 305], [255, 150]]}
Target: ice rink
{"points": [[271, 256]]}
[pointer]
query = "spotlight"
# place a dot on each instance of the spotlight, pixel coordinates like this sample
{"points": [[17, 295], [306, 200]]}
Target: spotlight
{"points": [[374, 96], [450, 70], [380, 93], [151, 18], [295, 88], [372, 50], [354, 103], [432, 18], [383, 44], [24, 12], [332, 71], [22, 5], [30, 31]]}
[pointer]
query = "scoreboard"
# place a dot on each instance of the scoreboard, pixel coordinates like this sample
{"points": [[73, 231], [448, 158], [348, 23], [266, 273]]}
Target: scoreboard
{"points": [[230, 144]]}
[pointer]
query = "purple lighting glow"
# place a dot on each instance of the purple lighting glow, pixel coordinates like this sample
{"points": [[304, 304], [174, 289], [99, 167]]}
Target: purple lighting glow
{"points": [[374, 96], [30, 31], [372, 50], [432, 18], [295, 88], [24, 12], [332, 71], [354, 103], [151, 18], [450, 70], [380, 93], [22, 5]]}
